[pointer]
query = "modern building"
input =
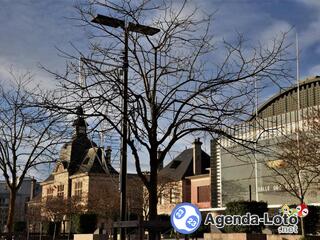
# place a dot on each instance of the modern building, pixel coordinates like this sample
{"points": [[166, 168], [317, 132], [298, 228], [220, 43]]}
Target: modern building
{"points": [[175, 178], [235, 169], [28, 189]]}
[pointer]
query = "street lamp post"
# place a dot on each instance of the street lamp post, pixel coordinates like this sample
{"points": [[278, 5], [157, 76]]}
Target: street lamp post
{"points": [[127, 27]]}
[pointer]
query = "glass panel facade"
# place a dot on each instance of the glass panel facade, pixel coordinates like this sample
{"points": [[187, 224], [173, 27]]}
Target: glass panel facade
{"points": [[238, 173]]}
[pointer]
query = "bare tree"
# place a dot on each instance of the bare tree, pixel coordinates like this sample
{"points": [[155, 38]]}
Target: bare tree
{"points": [[57, 209], [28, 135], [297, 166], [34, 217], [181, 81], [135, 196], [138, 195], [104, 202]]}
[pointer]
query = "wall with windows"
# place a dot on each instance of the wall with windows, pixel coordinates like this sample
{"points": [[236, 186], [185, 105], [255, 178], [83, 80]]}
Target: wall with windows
{"points": [[238, 174], [233, 166], [4, 204], [23, 196], [57, 187], [270, 127], [200, 191], [170, 195]]}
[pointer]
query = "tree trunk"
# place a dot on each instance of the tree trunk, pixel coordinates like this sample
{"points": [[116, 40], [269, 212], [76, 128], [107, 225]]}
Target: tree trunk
{"points": [[12, 202], [28, 232], [70, 226], [153, 213], [301, 220], [302, 227], [153, 200], [54, 231], [40, 237]]}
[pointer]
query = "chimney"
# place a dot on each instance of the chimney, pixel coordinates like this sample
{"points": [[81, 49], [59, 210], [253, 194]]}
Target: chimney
{"points": [[108, 155], [158, 156], [196, 156], [33, 188]]}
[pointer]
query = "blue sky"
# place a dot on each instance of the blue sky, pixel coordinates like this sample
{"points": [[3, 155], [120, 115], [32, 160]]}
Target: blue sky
{"points": [[31, 30]]}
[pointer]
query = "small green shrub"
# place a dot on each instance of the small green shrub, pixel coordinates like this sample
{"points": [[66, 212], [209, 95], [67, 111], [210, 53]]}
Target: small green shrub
{"points": [[242, 208], [165, 219], [311, 221], [84, 223], [48, 228], [19, 227], [133, 216]]}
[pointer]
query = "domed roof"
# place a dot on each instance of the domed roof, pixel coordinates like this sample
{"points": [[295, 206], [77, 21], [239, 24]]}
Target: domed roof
{"points": [[65, 152], [74, 151], [286, 101], [81, 155]]}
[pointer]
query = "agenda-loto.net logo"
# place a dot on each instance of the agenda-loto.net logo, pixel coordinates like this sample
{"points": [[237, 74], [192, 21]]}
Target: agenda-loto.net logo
{"points": [[186, 219]]}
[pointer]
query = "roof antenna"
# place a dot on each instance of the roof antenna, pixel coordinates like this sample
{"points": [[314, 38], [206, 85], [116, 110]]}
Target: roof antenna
{"points": [[256, 140], [81, 75], [298, 85], [298, 89]]}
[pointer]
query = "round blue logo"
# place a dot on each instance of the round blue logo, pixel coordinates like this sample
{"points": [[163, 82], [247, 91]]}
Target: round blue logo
{"points": [[185, 218]]}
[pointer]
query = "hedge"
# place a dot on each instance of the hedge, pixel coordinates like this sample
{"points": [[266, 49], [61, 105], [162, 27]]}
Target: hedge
{"points": [[311, 221], [84, 223], [241, 208], [48, 228], [19, 227]]}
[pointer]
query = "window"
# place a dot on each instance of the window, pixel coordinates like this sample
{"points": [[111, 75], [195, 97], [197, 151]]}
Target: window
{"points": [[60, 191], [175, 164], [50, 192], [173, 195], [78, 189], [203, 193], [160, 198], [3, 215]]}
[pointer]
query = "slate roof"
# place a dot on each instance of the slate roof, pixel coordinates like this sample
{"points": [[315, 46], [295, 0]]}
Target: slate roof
{"points": [[182, 166], [94, 162], [50, 178], [81, 155], [37, 197]]}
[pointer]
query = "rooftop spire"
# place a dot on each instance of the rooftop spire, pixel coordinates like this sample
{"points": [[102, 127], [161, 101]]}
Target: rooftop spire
{"points": [[80, 124]]}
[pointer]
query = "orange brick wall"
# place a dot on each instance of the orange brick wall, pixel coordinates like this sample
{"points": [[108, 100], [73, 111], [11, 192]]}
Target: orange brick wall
{"points": [[195, 183]]}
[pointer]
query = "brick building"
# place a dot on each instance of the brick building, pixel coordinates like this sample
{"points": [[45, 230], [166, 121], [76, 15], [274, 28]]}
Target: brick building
{"points": [[84, 179], [178, 175]]}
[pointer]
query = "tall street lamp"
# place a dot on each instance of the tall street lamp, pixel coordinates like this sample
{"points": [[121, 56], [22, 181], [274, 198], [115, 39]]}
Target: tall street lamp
{"points": [[127, 27]]}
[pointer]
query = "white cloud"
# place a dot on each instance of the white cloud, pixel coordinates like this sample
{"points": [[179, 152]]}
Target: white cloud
{"points": [[40, 78], [311, 3], [311, 33], [275, 29], [314, 71]]}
